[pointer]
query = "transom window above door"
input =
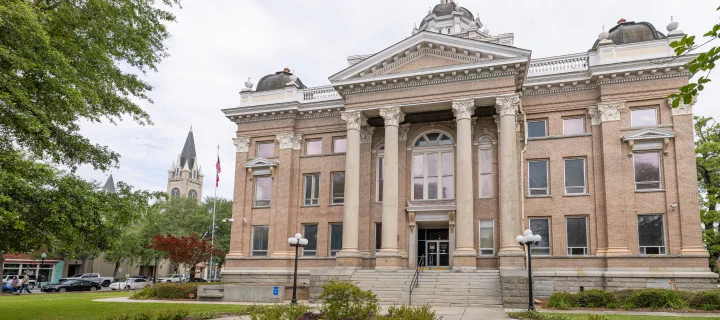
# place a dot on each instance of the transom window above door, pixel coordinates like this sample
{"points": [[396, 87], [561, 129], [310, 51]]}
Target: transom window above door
{"points": [[433, 139], [433, 167]]}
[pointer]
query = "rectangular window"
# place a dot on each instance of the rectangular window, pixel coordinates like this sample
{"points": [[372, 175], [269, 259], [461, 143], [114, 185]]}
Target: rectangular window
{"points": [[310, 232], [339, 144], [338, 188], [313, 146], [486, 177], [537, 128], [575, 176], [378, 236], [336, 230], [651, 234], [647, 171], [541, 226], [640, 117], [260, 241], [418, 176], [312, 189], [538, 178], [263, 186], [380, 177], [577, 238], [265, 149], [433, 176], [574, 125], [487, 238]]}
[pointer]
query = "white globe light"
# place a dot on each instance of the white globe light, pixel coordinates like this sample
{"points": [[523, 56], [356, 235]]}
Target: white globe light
{"points": [[304, 242], [43, 255], [528, 232], [538, 237], [292, 240], [298, 236], [520, 239]]}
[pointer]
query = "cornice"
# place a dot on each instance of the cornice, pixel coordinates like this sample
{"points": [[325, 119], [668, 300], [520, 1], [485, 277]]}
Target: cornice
{"points": [[660, 76], [430, 82], [570, 89]]}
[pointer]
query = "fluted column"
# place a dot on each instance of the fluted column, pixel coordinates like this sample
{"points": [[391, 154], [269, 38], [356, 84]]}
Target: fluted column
{"points": [[511, 254], [464, 253], [350, 256], [389, 256]]}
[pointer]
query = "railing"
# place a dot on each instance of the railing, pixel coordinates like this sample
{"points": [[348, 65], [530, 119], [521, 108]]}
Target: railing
{"points": [[416, 277], [320, 94], [557, 65]]}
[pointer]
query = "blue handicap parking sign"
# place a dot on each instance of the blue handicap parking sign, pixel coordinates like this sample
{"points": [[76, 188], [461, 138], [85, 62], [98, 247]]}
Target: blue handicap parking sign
{"points": [[276, 290]]}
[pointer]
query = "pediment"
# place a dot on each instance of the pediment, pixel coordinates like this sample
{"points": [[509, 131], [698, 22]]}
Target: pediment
{"points": [[649, 134], [261, 163], [430, 50]]}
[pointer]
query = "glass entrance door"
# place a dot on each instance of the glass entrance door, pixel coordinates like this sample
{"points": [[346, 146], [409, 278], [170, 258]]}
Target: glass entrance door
{"points": [[438, 253]]}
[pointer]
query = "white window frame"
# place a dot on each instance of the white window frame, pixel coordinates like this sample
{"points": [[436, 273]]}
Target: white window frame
{"points": [[331, 252], [584, 186], [537, 120], [255, 193], [587, 238], [339, 138], [424, 151], [257, 147], [660, 172], [549, 247], [317, 231], [380, 162], [547, 177], [573, 117], [486, 146], [307, 149], [333, 199], [657, 116], [252, 240], [314, 199], [484, 251], [642, 249]]}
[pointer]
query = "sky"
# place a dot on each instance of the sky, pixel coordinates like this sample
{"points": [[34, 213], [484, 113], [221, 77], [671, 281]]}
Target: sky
{"points": [[217, 45]]}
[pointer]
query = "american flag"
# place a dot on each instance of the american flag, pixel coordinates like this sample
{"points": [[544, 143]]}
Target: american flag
{"points": [[217, 175]]}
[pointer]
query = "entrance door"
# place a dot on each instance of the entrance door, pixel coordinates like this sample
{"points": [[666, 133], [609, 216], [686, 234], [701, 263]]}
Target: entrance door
{"points": [[438, 253]]}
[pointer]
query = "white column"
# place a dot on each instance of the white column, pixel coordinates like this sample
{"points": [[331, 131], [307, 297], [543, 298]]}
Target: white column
{"points": [[464, 254], [389, 254], [349, 255]]}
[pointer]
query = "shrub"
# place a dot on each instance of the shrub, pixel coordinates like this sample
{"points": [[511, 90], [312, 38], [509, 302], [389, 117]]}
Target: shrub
{"points": [[562, 301], [278, 312], [144, 293], [656, 299], [168, 291], [534, 315], [612, 305], [705, 300], [597, 317], [148, 315], [594, 298], [411, 313], [344, 300], [172, 315]]}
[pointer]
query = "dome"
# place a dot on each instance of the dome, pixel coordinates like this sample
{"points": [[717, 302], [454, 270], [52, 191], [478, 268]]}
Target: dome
{"points": [[445, 9], [632, 32], [278, 81]]}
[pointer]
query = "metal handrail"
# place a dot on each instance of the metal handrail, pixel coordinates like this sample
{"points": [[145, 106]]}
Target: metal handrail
{"points": [[416, 277]]}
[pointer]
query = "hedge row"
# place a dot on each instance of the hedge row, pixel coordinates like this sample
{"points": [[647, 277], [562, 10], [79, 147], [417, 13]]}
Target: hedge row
{"points": [[640, 298], [168, 291]]}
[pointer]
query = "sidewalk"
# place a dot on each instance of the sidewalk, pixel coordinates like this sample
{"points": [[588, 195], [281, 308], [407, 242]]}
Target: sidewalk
{"points": [[638, 313]]}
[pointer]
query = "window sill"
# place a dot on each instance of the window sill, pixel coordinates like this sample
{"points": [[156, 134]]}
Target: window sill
{"points": [[263, 207], [649, 190], [322, 155], [667, 125], [310, 206], [484, 198], [336, 204], [577, 195], [539, 196], [586, 134], [487, 257]]}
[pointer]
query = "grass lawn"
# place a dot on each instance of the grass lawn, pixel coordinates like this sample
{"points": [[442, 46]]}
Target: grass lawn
{"points": [[81, 306], [633, 317]]}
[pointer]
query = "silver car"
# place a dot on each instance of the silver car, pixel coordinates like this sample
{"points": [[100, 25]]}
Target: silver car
{"points": [[129, 284]]}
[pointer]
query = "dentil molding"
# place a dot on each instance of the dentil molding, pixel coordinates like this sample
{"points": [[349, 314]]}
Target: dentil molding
{"points": [[507, 105], [289, 140], [366, 134], [463, 109], [354, 119], [610, 111], [241, 144], [393, 116], [682, 108]]}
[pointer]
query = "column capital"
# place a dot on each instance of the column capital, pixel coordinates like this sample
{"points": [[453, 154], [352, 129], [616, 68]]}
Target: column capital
{"points": [[610, 111], [241, 144], [594, 113], [366, 134], [463, 108], [354, 119], [682, 108], [507, 105], [403, 131], [393, 116], [289, 140]]}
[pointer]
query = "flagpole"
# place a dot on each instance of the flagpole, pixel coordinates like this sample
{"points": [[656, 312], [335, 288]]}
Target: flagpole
{"points": [[212, 233]]}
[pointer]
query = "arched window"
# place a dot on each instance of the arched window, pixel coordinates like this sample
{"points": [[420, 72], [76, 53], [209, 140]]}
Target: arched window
{"points": [[175, 192], [485, 168], [433, 167], [192, 194]]}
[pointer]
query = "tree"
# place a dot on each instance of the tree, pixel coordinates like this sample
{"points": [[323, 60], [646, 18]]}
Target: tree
{"points": [[703, 62], [707, 150], [189, 251]]}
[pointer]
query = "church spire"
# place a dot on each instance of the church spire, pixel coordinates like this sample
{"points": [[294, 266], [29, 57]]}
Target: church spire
{"points": [[188, 156], [109, 185]]}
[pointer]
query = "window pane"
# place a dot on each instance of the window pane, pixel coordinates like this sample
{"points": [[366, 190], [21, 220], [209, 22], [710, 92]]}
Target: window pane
{"points": [[573, 126], [418, 169], [340, 145], [445, 140], [536, 129], [643, 117], [310, 233], [447, 164], [260, 240], [485, 161], [308, 187], [314, 147], [576, 232], [417, 188], [265, 149], [338, 187], [541, 226], [537, 174], [378, 236], [432, 187], [485, 185], [647, 167], [421, 142], [433, 137], [650, 231], [380, 168], [336, 231], [432, 163], [574, 175], [262, 191], [486, 234]]}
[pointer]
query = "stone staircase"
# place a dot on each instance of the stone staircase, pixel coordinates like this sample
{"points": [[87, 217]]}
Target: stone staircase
{"points": [[435, 287]]}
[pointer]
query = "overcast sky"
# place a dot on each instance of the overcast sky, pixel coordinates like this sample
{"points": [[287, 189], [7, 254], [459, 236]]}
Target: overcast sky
{"points": [[216, 45]]}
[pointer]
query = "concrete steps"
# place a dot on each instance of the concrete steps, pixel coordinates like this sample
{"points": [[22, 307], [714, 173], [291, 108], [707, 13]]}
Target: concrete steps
{"points": [[434, 287]]}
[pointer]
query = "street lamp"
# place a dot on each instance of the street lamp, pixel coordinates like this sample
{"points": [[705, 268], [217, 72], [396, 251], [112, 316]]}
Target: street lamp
{"points": [[298, 242], [527, 240], [39, 276]]}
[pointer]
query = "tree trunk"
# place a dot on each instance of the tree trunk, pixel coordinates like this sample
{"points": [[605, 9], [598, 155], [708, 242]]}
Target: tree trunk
{"points": [[155, 270], [117, 266], [192, 273], [2, 263]]}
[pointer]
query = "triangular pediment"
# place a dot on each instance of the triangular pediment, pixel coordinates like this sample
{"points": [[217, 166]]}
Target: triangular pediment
{"points": [[431, 51], [261, 163], [649, 134]]}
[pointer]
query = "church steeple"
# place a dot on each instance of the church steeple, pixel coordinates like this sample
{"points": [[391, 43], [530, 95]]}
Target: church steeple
{"points": [[109, 185], [185, 178], [188, 156]]}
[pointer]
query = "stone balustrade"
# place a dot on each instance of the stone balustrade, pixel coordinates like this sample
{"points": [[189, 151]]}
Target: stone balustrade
{"points": [[558, 65]]}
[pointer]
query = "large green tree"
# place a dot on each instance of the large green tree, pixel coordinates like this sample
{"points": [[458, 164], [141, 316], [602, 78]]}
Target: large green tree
{"points": [[707, 149]]}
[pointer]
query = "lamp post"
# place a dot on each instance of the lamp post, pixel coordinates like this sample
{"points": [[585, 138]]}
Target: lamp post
{"points": [[39, 275], [297, 242], [527, 240]]}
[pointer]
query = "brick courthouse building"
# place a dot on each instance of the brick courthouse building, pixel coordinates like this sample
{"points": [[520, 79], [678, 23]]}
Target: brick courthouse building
{"points": [[440, 149]]}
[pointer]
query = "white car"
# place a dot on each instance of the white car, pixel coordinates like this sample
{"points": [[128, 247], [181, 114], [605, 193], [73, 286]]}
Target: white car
{"points": [[129, 284], [31, 284], [174, 278]]}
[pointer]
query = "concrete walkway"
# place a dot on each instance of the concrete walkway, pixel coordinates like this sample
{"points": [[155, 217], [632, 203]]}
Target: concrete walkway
{"points": [[639, 313]]}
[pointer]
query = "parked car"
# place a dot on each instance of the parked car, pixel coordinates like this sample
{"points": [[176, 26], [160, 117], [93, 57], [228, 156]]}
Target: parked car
{"points": [[72, 285], [129, 284], [198, 280], [174, 278], [94, 277], [31, 285], [6, 287]]}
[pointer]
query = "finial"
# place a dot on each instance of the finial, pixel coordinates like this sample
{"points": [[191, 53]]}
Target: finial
{"points": [[248, 84], [190, 128], [622, 20], [603, 35], [672, 26], [286, 70]]}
